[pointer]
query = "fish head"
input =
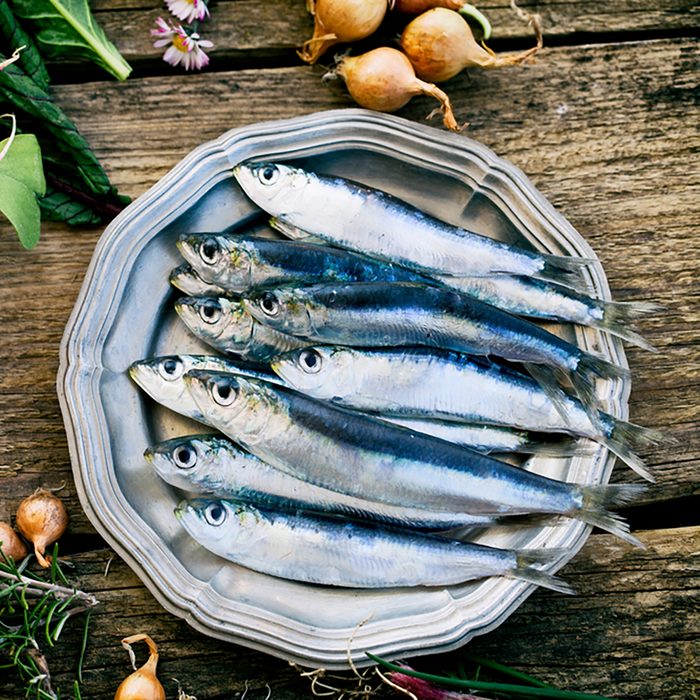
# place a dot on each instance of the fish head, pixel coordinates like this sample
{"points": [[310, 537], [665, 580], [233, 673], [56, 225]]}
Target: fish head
{"points": [[217, 320], [285, 310], [217, 524], [188, 281], [192, 462], [274, 187], [162, 378], [217, 259], [240, 407], [312, 370]]}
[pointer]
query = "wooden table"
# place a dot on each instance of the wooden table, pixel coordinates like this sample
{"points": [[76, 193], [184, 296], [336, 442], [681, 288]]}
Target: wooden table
{"points": [[605, 124]]}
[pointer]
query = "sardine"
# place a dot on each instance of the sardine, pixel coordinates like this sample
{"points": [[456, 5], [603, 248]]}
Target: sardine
{"points": [[227, 326], [406, 314], [353, 216], [162, 378], [363, 457], [240, 263], [334, 552], [423, 383], [188, 281], [208, 464]]}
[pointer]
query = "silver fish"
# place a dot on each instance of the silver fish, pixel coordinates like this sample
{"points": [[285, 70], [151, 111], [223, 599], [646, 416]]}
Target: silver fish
{"points": [[363, 457], [227, 326], [335, 552], [423, 383], [240, 263], [209, 464], [350, 215], [188, 281], [162, 378], [406, 314]]}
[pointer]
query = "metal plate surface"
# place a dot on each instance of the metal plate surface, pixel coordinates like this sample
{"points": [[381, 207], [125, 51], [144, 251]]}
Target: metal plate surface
{"points": [[124, 313]]}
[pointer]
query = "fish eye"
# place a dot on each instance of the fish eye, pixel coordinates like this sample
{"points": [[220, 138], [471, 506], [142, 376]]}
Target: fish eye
{"points": [[269, 304], [310, 361], [210, 312], [209, 251], [268, 175], [215, 514], [184, 457], [224, 394], [171, 369]]}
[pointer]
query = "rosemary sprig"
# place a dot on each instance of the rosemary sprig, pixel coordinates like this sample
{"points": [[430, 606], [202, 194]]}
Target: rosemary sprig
{"points": [[33, 613]]}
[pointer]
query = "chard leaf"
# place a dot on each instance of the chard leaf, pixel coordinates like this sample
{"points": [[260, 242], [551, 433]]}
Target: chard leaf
{"points": [[66, 29], [58, 206], [21, 180], [12, 36]]}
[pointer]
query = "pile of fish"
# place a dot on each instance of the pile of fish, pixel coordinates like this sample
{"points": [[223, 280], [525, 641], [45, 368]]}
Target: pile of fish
{"points": [[370, 367]]}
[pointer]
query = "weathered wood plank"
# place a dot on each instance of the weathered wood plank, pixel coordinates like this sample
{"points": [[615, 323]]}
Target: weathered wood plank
{"points": [[631, 632], [607, 140], [245, 28]]}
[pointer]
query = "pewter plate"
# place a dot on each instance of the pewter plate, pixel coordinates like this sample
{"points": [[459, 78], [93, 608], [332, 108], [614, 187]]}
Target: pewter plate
{"points": [[124, 313]]}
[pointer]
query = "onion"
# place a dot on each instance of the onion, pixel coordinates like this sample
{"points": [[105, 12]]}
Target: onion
{"points": [[11, 546], [340, 21], [142, 684], [440, 44], [416, 7], [383, 79], [41, 519]]}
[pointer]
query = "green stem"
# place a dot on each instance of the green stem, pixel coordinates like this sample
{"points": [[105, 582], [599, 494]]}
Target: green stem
{"points": [[470, 11], [483, 685], [506, 670]]}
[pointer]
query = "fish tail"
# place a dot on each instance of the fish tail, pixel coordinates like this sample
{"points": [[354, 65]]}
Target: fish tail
{"points": [[567, 447], [598, 499], [564, 270], [619, 316], [584, 377], [525, 571], [625, 438]]}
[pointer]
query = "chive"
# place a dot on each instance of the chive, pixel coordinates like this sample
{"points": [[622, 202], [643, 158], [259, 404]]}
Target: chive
{"points": [[507, 670]]}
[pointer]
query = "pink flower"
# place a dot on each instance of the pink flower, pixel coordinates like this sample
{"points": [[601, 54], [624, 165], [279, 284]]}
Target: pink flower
{"points": [[188, 10], [182, 47]]}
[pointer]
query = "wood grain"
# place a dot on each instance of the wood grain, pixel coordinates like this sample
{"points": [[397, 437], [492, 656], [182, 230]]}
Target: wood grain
{"points": [[632, 631]]}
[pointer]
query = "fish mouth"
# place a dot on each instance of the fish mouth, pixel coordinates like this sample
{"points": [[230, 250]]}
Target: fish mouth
{"points": [[149, 455], [181, 509]]}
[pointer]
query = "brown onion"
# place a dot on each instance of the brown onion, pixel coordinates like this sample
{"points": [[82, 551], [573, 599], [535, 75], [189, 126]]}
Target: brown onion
{"points": [[143, 683], [11, 546], [440, 44], [340, 21], [41, 519], [416, 7], [383, 79]]}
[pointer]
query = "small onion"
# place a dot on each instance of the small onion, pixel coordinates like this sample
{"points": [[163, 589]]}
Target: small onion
{"points": [[383, 79], [440, 44], [11, 546], [416, 7], [142, 684], [41, 519], [340, 21]]}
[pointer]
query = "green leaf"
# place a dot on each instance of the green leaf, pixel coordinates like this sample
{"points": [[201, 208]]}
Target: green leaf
{"points": [[66, 29], [21, 180], [13, 36]]}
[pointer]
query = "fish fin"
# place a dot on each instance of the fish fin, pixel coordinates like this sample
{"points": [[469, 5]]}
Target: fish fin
{"points": [[596, 501], [547, 380], [565, 270], [281, 225], [525, 572], [584, 377], [567, 447], [625, 438], [618, 317]]}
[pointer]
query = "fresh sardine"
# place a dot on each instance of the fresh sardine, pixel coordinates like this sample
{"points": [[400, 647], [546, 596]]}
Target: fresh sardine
{"points": [[209, 464], [240, 263], [188, 281], [336, 552], [363, 457], [350, 215], [227, 326], [423, 383], [406, 314]]}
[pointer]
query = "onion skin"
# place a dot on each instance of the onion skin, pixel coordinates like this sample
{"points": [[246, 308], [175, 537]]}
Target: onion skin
{"points": [[384, 80], [417, 7], [440, 44], [142, 684], [341, 21], [41, 519], [11, 546]]}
